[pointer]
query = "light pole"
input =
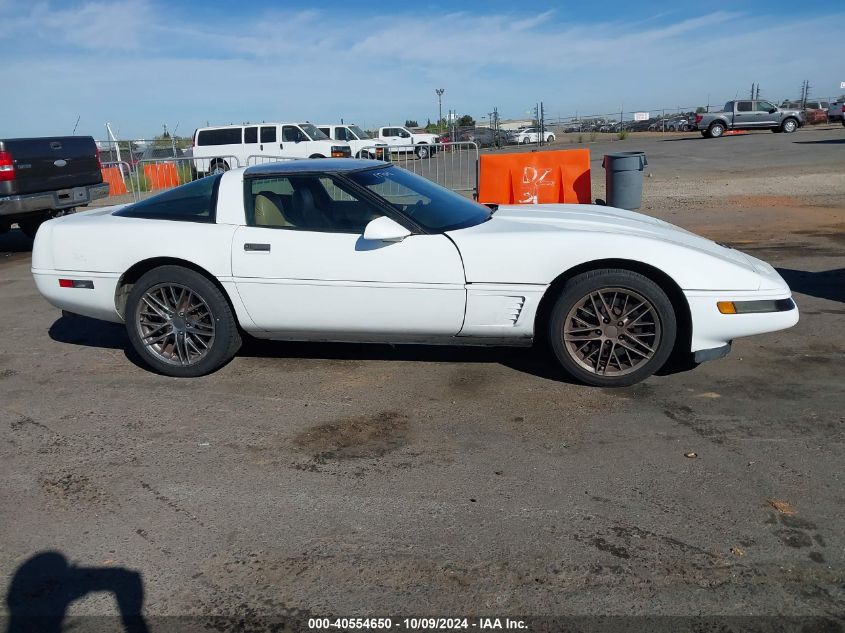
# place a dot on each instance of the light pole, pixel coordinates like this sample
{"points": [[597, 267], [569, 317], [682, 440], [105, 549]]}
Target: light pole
{"points": [[440, 92]]}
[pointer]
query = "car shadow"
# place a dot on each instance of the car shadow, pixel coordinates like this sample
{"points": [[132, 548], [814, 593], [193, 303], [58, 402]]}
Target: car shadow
{"points": [[15, 242], [827, 141], [827, 284], [535, 361], [44, 586]]}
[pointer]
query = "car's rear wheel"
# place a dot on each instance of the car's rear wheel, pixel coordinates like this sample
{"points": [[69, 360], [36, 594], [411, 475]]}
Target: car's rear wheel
{"points": [[180, 323], [716, 130], [218, 167], [422, 152], [525, 141], [789, 126], [612, 327]]}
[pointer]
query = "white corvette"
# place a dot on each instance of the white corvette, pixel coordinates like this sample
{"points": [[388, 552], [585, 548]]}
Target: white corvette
{"points": [[356, 250]]}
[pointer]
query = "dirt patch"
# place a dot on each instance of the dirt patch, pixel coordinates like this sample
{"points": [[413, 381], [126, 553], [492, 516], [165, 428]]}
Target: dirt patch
{"points": [[72, 487], [362, 437]]}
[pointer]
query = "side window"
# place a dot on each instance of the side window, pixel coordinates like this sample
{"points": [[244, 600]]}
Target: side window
{"points": [[220, 136], [342, 134], [743, 106], [326, 131], [729, 107], [194, 202], [764, 106], [268, 134], [251, 135], [306, 203], [290, 133], [389, 131]]}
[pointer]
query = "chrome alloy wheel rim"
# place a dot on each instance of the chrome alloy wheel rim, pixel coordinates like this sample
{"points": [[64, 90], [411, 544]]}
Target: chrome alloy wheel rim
{"points": [[612, 332], [789, 126], [175, 324]]}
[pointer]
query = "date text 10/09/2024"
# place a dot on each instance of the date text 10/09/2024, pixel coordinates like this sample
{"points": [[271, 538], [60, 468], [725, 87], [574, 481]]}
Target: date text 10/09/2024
{"points": [[415, 624]]}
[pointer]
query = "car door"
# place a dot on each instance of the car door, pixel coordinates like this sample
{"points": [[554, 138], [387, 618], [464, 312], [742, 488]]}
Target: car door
{"points": [[269, 142], [766, 118], [303, 269], [295, 142], [251, 146], [746, 116]]}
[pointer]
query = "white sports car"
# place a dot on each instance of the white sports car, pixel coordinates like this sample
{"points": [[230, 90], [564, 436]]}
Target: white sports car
{"points": [[357, 250]]}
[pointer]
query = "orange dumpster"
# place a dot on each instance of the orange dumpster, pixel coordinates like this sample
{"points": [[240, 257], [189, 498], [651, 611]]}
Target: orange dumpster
{"points": [[535, 177]]}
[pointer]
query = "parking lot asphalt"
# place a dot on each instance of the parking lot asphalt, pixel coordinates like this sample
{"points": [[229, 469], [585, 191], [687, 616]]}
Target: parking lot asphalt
{"points": [[361, 480]]}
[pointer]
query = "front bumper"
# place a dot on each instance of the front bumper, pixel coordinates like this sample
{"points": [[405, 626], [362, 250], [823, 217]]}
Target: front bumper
{"points": [[712, 329], [24, 204]]}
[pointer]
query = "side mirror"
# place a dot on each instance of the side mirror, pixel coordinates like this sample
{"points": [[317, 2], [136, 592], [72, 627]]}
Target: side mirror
{"points": [[384, 229], [773, 110]]}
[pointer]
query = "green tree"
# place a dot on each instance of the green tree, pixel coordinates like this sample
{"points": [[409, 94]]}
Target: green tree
{"points": [[466, 121], [411, 123], [700, 110]]}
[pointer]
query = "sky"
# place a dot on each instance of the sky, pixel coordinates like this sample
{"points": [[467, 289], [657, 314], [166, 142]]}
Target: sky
{"points": [[141, 64]]}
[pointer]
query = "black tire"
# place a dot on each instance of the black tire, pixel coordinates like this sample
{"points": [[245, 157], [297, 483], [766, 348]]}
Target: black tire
{"points": [[580, 287], [316, 156], [217, 167], [716, 129], [777, 130], [422, 151], [359, 155], [30, 227], [704, 133], [525, 141], [789, 125], [227, 338], [5, 227]]}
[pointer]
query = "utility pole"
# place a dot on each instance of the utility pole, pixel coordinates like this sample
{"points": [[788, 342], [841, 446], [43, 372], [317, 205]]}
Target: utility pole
{"points": [[440, 92], [757, 93], [752, 92]]}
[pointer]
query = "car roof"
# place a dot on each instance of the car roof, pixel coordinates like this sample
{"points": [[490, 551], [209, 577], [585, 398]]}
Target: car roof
{"points": [[312, 165]]}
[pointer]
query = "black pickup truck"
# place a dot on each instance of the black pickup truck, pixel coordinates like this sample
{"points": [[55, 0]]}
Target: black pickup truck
{"points": [[41, 178]]}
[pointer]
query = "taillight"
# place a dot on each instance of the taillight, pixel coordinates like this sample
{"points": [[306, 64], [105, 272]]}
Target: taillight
{"points": [[698, 118], [99, 163], [7, 167]]}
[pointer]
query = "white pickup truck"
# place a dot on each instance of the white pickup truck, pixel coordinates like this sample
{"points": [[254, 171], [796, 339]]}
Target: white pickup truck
{"points": [[402, 140], [362, 144]]}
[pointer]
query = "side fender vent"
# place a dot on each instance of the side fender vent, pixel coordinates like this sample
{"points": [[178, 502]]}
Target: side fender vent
{"points": [[514, 309]]}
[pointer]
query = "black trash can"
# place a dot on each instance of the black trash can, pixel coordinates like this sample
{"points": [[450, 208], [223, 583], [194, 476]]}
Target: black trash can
{"points": [[624, 179]]}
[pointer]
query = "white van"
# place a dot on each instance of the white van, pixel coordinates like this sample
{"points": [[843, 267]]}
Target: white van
{"points": [[357, 138], [228, 146]]}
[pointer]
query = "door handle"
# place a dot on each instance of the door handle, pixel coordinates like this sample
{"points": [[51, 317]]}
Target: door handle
{"points": [[256, 248], [261, 147], [281, 146]]}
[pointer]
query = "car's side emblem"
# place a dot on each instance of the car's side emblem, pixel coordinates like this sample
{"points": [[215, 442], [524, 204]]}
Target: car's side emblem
{"points": [[60, 163]]}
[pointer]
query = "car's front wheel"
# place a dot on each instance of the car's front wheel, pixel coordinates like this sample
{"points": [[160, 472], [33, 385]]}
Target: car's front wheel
{"points": [[612, 327], [422, 151], [180, 323], [789, 126]]}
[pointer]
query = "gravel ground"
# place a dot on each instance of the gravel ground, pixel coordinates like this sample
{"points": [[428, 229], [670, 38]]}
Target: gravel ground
{"points": [[373, 480]]}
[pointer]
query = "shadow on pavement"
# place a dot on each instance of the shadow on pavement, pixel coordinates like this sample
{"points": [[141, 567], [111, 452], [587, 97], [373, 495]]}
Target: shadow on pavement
{"points": [[15, 242], [827, 284], [45, 585], [827, 141], [87, 332]]}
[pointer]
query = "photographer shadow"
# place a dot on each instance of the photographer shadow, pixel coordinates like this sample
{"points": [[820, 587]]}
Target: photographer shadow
{"points": [[44, 586]]}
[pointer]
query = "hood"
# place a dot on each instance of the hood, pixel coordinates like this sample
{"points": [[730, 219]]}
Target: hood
{"points": [[594, 218], [535, 243]]}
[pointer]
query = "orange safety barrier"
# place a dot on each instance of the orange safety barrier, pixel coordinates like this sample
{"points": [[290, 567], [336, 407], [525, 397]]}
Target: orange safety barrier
{"points": [[161, 175], [535, 177], [111, 175]]}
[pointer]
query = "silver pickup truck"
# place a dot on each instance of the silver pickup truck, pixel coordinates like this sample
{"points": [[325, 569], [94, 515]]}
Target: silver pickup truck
{"points": [[748, 115]]}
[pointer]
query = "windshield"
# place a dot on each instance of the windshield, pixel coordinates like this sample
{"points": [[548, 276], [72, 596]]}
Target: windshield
{"points": [[361, 134], [429, 205], [313, 132]]}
